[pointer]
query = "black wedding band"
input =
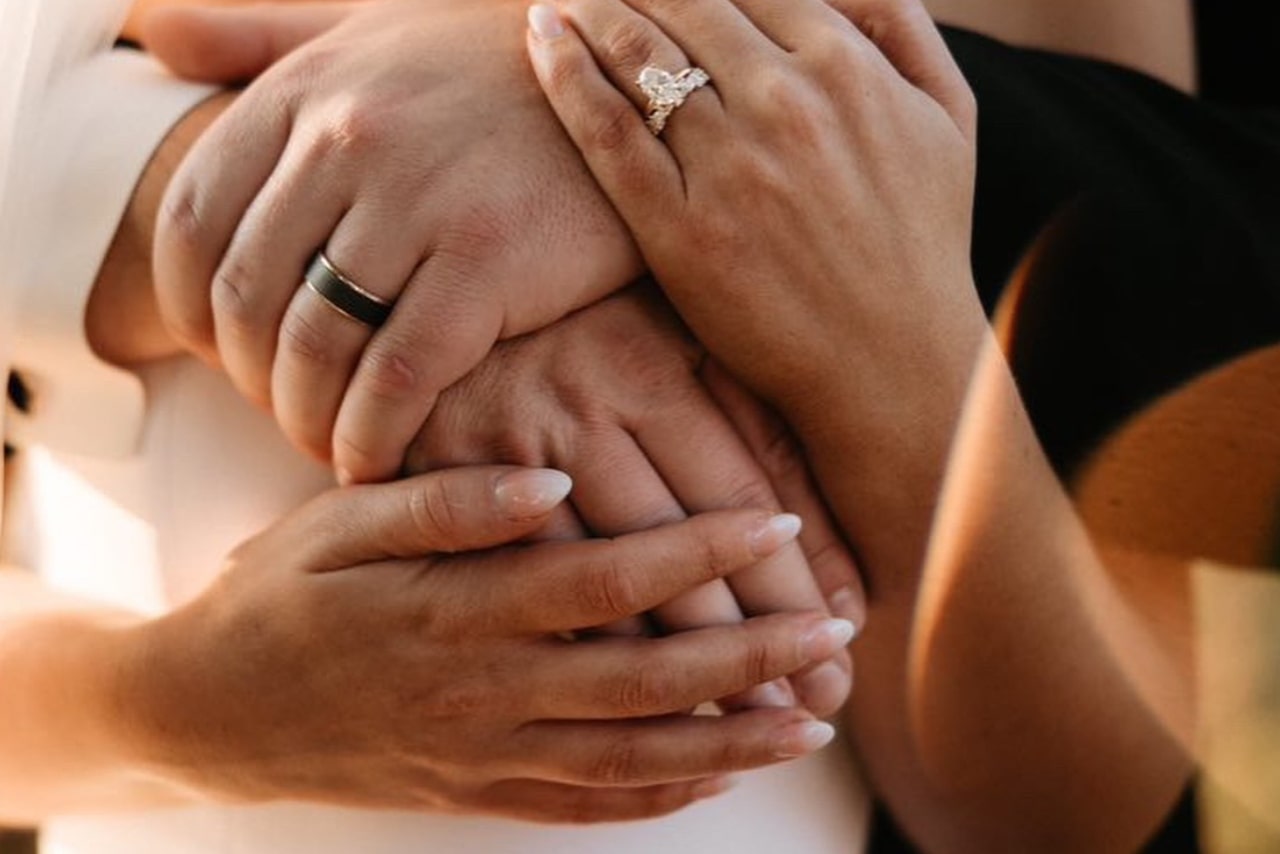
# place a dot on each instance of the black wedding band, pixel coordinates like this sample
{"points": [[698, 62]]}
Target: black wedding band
{"points": [[344, 295]]}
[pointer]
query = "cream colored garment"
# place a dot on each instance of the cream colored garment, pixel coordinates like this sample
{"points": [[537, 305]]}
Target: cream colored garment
{"points": [[147, 530]]}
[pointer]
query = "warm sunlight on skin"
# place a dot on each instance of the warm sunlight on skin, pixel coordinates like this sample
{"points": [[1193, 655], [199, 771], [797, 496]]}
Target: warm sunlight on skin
{"points": [[1237, 612], [1193, 477]]}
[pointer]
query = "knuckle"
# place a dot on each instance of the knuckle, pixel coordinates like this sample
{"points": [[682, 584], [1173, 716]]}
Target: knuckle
{"points": [[233, 295], [612, 131], [610, 590], [629, 45], [477, 234], [752, 493], [387, 372], [435, 513], [302, 338], [643, 690], [617, 763], [758, 661], [354, 129], [781, 459]]}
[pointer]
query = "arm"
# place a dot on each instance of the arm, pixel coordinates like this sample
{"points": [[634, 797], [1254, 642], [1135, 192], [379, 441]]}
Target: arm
{"points": [[1017, 693], [465, 708]]}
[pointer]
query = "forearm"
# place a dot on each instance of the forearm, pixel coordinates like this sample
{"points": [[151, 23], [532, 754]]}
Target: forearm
{"points": [[122, 319], [1007, 681], [64, 740]]}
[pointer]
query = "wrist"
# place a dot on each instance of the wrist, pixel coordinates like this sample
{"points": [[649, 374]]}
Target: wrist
{"points": [[63, 718]]}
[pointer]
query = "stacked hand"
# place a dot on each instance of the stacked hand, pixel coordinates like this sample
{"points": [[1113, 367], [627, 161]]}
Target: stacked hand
{"points": [[808, 213], [351, 655], [646, 441]]}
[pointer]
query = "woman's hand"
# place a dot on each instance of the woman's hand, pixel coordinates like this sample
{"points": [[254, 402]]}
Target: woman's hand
{"points": [[613, 396], [808, 213], [350, 655], [411, 143]]}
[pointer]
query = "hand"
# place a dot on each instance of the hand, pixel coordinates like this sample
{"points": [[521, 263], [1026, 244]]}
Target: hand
{"points": [[611, 395], [809, 212], [436, 175], [334, 662]]}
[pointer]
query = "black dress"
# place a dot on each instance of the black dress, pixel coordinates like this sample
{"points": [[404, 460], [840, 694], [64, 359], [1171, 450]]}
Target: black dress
{"points": [[1148, 225]]}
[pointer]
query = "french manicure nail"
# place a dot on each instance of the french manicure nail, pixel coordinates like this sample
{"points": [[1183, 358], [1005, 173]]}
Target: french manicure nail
{"points": [[545, 21], [774, 534], [529, 494], [843, 603], [799, 740], [776, 694], [826, 639]]}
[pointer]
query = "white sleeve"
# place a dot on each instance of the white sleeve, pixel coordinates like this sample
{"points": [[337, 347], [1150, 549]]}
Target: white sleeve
{"points": [[86, 122]]}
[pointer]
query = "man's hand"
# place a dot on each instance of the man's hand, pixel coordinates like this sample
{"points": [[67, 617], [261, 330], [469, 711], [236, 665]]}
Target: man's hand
{"points": [[351, 655], [411, 142], [612, 395]]}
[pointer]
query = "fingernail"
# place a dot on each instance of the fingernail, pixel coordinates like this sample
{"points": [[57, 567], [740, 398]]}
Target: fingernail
{"points": [[709, 788], [774, 534], [826, 639], [530, 494], [801, 739], [843, 603], [545, 21], [775, 695]]}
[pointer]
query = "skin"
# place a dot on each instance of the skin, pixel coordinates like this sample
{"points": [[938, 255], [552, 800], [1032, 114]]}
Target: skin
{"points": [[529, 166], [991, 612], [365, 580]]}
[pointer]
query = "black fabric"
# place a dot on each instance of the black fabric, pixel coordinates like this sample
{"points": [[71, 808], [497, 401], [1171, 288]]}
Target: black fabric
{"points": [[1236, 41], [1144, 227]]}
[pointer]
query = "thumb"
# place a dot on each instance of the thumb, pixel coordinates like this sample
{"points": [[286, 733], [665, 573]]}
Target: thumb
{"points": [[230, 44], [462, 509]]}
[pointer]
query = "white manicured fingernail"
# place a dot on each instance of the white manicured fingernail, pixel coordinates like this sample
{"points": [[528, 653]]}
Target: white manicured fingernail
{"points": [[775, 694], [802, 739], [529, 494], [826, 639], [545, 21], [843, 603], [774, 534]]}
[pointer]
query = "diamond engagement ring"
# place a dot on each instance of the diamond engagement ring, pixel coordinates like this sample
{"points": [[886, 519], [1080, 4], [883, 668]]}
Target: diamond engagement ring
{"points": [[667, 91]]}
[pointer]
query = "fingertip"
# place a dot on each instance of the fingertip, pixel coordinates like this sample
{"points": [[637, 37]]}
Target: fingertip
{"points": [[545, 22], [531, 493]]}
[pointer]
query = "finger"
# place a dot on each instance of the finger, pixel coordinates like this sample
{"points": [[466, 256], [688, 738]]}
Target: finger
{"points": [[625, 44], [800, 24], [236, 43], [264, 264], [637, 678], [558, 803], [645, 503], [205, 202], [712, 34], [636, 171], [319, 347], [770, 443], [708, 467], [442, 327], [463, 509], [663, 750], [564, 587], [910, 40]]}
